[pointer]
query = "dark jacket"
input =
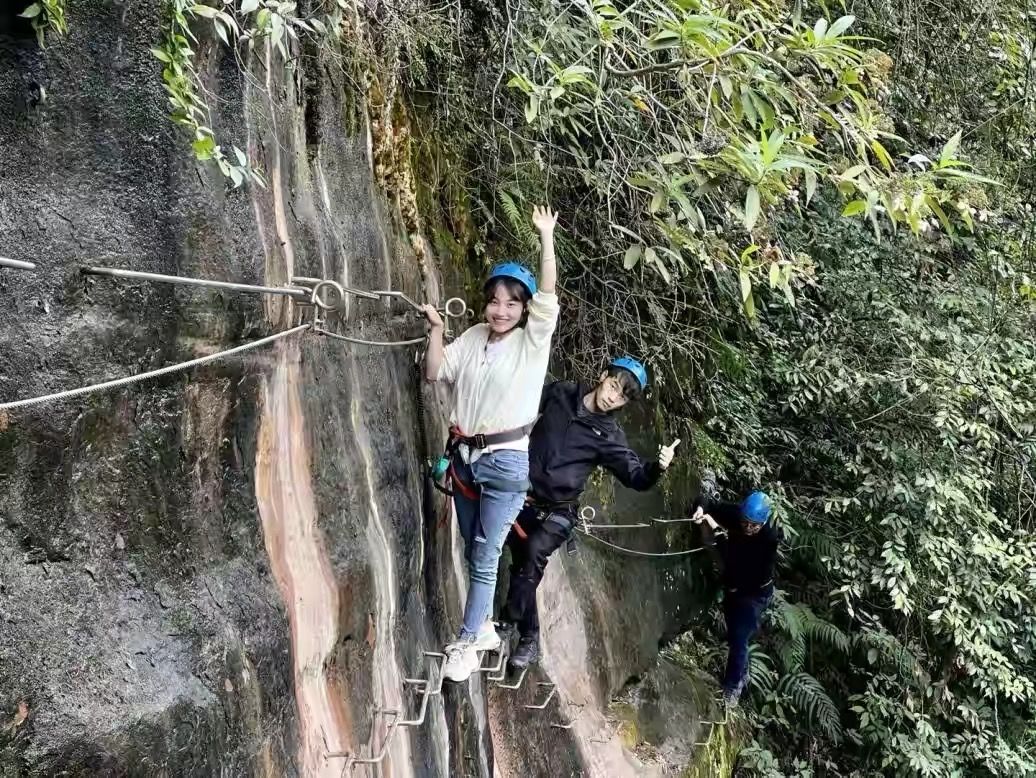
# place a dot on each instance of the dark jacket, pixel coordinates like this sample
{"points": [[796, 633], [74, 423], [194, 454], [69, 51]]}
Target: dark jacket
{"points": [[569, 441], [748, 560]]}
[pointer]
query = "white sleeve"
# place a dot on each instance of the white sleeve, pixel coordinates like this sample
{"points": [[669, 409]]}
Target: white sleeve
{"points": [[543, 319], [454, 355]]}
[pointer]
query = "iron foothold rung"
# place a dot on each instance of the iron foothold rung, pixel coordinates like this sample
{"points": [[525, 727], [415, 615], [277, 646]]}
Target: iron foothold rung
{"points": [[550, 696], [16, 264], [518, 683]]}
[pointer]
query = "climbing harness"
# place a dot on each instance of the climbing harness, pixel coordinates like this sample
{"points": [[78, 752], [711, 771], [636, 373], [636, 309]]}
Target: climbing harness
{"points": [[322, 295], [16, 264], [588, 513], [443, 471]]}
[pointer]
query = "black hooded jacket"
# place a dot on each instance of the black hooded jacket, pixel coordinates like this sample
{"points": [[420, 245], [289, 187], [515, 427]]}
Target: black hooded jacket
{"points": [[748, 560], [569, 441]]}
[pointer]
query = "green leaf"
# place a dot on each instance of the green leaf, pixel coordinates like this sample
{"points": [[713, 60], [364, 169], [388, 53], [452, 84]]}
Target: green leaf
{"points": [[811, 185], [221, 30], [949, 151], [841, 25], [752, 207], [882, 155], [854, 171], [940, 214], [666, 39], [746, 284], [241, 158], [204, 147], [161, 55], [820, 28], [204, 11], [519, 81], [658, 199], [854, 208], [633, 254], [247, 6], [672, 158], [532, 108], [775, 275], [32, 11], [575, 74]]}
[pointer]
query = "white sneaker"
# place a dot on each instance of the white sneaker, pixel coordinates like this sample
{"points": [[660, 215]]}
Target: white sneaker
{"points": [[461, 660], [487, 638]]}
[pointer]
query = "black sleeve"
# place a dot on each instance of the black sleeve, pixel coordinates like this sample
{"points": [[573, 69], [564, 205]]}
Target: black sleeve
{"points": [[774, 537], [549, 390], [726, 514], [625, 464]]}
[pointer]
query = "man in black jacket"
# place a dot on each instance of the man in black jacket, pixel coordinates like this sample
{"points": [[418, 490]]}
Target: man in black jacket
{"points": [[575, 433], [749, 555]]}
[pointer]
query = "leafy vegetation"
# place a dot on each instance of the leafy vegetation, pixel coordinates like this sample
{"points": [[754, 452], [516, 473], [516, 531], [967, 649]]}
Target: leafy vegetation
{"points": [[789, 209], [46, 16], [240, 26]]}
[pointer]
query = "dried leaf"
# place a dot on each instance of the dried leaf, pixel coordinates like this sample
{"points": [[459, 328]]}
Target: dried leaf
{"points": [[21, 715]]}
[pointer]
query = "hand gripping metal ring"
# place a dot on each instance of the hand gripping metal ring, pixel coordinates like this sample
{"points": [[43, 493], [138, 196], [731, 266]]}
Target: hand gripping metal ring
{"points": [[321, 302]]}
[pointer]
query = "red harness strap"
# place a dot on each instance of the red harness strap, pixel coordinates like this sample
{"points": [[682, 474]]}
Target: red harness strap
{"points": [[468, 490]]}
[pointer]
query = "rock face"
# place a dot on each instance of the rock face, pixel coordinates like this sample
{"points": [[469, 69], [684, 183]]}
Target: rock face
{"points": [[232, 570]]}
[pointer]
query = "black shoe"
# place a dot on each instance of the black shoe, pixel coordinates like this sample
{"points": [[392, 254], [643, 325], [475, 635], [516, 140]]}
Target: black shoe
{"points": [[527, 653], [506, 630]]}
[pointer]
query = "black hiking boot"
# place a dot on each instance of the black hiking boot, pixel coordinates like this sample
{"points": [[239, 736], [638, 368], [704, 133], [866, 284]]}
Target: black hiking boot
{"points": [[507, 631], [527, 653]]}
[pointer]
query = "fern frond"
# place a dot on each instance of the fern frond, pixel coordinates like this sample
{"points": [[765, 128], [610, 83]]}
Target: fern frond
{"points": [[893, 654], [760, 670], [810, 698], [518, 221]]}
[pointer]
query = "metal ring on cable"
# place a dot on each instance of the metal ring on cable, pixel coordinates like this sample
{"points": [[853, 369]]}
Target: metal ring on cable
{"points": [[320, 302], [454, 302], [588, 514]]}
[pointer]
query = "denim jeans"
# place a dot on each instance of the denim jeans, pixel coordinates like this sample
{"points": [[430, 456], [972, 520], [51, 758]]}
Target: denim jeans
{"points": [[484, 524], [742, 612]]}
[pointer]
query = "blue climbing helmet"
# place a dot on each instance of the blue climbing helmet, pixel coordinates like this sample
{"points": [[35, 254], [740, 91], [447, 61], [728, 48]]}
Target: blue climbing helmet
{"points": [[635, 367], [519, 273], [756, 508]]}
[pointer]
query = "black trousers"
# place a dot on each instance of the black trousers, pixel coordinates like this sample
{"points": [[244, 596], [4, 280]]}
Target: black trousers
{"points": [[529, 557]]}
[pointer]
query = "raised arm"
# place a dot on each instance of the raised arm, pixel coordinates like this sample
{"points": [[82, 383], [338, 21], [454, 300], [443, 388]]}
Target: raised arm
{"points": [[544, 219], [434, 356]]}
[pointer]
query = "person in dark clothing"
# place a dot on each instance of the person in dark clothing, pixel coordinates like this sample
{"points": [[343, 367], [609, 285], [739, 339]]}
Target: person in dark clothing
{"points": [[575, 433], [749, 554]]}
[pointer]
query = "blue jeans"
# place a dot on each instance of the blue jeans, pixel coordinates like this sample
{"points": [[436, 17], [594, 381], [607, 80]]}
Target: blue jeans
{"points": [[742, 612], [484, 524]]}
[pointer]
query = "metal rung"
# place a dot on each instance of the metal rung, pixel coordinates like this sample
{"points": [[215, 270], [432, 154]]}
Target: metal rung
{"points": [[546, 702], [352, 760], [572, 723], [498, 668], [16, 264], [516, 685]]}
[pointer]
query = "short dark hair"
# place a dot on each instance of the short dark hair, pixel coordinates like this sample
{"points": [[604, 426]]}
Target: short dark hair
{"points": [[629, 383], [515, 289]]}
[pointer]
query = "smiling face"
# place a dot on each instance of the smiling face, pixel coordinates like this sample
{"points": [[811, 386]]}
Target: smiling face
{"points": [[505, 305]]}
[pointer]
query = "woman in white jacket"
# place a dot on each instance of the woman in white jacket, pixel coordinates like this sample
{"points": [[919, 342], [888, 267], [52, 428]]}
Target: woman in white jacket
{"points": [[497, 369]]}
